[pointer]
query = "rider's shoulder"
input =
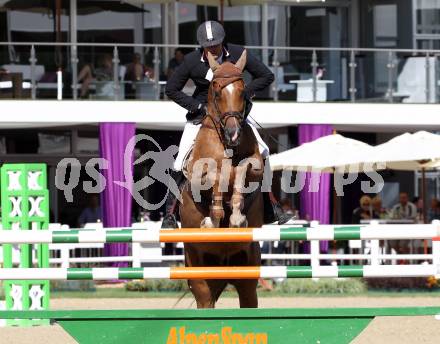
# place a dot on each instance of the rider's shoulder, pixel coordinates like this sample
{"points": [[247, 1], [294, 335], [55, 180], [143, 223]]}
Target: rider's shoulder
{"points": [[193, 57], [235, 51], [234, 48]]}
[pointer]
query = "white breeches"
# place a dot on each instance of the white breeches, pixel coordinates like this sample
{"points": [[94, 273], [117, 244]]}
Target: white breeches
{"points": [[189, 136]]}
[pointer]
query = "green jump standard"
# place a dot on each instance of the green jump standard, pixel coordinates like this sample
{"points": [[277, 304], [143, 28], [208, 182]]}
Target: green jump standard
{"points": [[218, 326]]}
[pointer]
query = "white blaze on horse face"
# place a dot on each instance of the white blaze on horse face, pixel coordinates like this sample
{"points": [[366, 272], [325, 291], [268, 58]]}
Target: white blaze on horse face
{"points": [[232, 123], [230, 88]]}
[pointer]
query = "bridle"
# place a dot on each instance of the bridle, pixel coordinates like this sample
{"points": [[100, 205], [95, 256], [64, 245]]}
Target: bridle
{"points": [[221, 118]]}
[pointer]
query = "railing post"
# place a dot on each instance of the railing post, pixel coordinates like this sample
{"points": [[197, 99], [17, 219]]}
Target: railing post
{"points": [[436, 79], [375, 251], [352, 65], [315, 249], [314, 65], [74, 63], [428, 79], [390, 65], [33, 62], [116, 72], [436, 248], [275, 65], [156, 72]]}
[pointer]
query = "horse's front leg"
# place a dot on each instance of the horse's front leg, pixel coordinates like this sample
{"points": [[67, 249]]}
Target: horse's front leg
{"points": [[216, 210], [237, 219]]}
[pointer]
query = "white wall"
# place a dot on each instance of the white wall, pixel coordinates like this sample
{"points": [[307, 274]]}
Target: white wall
{"points": [[167, 115]]}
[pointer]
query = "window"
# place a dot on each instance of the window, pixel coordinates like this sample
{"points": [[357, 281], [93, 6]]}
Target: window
{"points": [[428, 16], [427, 24], [385, 26]]}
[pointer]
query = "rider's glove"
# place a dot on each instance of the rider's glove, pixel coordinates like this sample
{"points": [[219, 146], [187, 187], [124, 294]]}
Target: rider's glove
{"points": [[202, 110], [199, 113], [248, 94]]}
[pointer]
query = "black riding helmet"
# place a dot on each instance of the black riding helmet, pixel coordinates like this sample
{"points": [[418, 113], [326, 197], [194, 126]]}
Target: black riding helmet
{"points": [[210, 33]]}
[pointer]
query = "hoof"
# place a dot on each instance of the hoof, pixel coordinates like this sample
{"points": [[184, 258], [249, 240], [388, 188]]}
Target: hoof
{"points": [[207, 223], [238, 221]]}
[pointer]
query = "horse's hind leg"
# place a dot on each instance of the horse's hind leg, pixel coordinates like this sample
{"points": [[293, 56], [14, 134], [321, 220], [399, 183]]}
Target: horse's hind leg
{"points": [[246, 289], [206, 292], [247, 293]]}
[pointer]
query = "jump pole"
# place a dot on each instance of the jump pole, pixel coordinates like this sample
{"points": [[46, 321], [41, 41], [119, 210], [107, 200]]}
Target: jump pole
{"points": [[197, 235], [238, 272]]}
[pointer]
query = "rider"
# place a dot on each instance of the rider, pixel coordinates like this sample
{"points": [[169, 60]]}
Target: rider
{"points": [[195, 66]]}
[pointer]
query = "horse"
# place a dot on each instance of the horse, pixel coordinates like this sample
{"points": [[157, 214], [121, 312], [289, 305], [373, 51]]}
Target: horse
{"points": [[225, 160]]}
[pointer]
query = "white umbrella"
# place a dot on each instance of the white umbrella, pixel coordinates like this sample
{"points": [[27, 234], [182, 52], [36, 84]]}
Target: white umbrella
{"points": [[324, 155], [408, 152], [332, 153]]}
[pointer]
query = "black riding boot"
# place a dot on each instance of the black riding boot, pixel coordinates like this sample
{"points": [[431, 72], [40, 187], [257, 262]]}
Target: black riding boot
{"points": [[273, 211], [169, 220]]}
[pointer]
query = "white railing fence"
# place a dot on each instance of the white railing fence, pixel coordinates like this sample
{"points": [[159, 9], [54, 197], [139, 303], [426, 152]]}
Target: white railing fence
{"points": [[374, 252]]}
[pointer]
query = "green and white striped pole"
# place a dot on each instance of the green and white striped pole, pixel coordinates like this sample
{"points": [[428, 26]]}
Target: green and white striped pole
{"points": [[318, 232], [227, 272]]}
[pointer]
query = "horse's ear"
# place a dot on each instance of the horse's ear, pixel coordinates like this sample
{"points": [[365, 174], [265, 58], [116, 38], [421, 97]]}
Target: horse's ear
{"points": [[241, 63], [213, 64]]}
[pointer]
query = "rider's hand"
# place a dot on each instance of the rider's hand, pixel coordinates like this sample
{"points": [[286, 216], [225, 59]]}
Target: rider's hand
{"points": [[202, 110], [199, 113], [248, 94]]}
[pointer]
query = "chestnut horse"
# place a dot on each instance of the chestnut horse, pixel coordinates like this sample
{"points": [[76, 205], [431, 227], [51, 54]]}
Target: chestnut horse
{"points": [[225, 163]]}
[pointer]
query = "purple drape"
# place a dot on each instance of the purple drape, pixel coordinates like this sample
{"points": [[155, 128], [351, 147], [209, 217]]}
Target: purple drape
{"points": [[116, 200], [315, 205]]}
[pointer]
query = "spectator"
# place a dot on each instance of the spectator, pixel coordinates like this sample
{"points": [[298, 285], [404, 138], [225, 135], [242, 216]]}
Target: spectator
{"points": [[379, 212], [175, 62], [418, 202], [104, 72], [364, 211], [135, 70], [404, 210], [92, 213], [434, 210]]}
